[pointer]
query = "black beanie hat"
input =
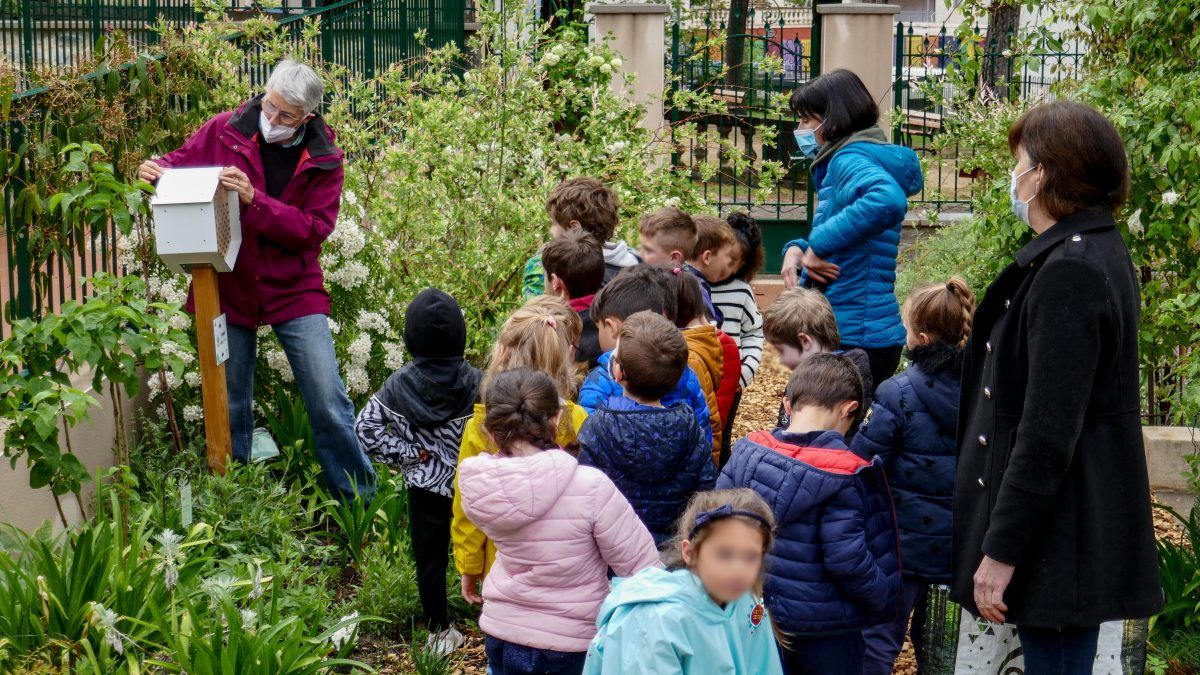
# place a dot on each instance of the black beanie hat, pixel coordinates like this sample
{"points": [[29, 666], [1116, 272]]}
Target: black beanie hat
{"points": [[434, 327]]}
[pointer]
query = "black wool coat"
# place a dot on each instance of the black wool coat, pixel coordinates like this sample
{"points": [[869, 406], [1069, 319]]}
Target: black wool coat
{"points": [[1051, 474]]}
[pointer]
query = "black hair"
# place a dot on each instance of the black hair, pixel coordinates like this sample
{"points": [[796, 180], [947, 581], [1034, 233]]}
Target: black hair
{"points": [[841, 100], [636, 288], [749, 236]]}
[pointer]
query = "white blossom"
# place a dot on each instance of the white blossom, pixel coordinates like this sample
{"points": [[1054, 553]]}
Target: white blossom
{"points": [[192, 378], [1170, 197], [357, 380], [217, 587], [372, 321], [615, 147], [257, 590], [393, 355], [1135, 222], [334, 327], [278, 361], [106, 619], [170, 555], [193, 413], [349, 275], [179, 321], [341, 637], [249, 619], [360, 349]]}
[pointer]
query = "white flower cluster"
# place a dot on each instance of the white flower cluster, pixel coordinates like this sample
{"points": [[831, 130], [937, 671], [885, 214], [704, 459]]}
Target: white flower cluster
{"points": [[193, 413], [349, 275], [172, 289], [278, 361], [373, 321], [170, 555], [341, 637], [348, 237], [357, 380], [393, 355]]}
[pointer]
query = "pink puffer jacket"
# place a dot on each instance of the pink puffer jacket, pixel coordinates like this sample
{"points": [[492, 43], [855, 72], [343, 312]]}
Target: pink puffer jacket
{"points": [[558, 527]]}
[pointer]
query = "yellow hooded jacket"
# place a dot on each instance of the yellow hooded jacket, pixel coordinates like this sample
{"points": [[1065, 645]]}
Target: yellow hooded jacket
{"points": [[707, 359], [474, 553]]}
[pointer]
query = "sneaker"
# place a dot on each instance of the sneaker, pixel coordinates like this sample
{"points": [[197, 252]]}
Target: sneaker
{"points": [[444, 642]]}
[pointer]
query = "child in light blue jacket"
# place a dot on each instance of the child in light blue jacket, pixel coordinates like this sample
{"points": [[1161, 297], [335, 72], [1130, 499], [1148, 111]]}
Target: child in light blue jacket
{"points": [[705, 615]]}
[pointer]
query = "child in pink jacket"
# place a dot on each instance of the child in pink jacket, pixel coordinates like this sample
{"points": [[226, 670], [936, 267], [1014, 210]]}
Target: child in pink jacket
{"points": [[558, 528]]}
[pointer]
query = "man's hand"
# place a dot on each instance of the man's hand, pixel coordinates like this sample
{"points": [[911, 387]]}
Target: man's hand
{"points": [[233, 178], [470, 588], [991, 579], [150, 171]]}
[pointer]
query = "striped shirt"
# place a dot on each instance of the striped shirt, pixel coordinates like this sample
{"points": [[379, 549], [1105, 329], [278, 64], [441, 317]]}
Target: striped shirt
{"points": [[743, 322], [387, 436]]}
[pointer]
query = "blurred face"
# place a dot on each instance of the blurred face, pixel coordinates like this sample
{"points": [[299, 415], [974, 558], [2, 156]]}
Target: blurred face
{"points": [[609, 332], [654, 252], [726, 261], [729, 561], [793, 355]]}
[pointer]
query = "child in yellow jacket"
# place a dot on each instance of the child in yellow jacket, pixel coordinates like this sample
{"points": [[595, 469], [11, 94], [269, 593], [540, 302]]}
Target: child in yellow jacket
{"points": [[540, 335]]}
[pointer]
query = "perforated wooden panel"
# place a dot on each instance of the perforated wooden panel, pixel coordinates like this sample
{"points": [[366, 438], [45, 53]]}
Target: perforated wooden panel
{"points": [[221, 203]]}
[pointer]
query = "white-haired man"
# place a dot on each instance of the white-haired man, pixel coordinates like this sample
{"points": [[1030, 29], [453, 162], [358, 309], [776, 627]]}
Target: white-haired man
{"points": [[280, 157]]}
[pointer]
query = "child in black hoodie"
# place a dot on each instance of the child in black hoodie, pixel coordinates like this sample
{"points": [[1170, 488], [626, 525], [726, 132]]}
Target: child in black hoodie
{"points": [[415, 424]]}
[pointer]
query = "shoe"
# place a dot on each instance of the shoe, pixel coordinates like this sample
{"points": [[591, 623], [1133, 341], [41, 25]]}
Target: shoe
{"points": [[444, 642]]}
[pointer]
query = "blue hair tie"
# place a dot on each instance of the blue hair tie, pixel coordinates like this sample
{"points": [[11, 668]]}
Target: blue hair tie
{"points": [[706, 518]]}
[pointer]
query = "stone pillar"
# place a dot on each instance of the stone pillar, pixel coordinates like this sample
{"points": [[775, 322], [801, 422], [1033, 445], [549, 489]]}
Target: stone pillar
{"points": [[639, 35], [860, 37]]}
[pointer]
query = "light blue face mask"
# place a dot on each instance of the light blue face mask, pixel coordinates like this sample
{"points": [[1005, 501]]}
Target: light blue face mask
{"points": [[806, 139], [1019, 207]]}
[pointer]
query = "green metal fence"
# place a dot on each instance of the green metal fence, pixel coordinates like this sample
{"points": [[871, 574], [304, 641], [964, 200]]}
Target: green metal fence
{"points": [[701, 46], [366, 36], [921, 62]]}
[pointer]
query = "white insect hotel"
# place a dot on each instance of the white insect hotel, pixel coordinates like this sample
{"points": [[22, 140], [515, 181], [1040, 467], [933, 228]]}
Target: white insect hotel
{"points": [[198, 231]]}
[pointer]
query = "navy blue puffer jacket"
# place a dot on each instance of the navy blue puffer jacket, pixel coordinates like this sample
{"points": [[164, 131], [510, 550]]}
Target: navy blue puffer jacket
{"points": [[657, 457], [911, 427], [835, 566]]}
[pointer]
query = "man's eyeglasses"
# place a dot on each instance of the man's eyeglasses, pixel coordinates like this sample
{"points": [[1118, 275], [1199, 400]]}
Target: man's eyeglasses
{"points": [[284, 116]]}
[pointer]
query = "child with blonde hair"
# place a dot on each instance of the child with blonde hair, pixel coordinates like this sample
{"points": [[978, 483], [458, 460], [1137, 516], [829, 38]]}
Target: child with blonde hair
{"points": [[912, 427], [705, 614], [539, 335]]}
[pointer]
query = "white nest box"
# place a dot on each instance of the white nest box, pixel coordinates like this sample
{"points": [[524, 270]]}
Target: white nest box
{"points": [[196, 221]]}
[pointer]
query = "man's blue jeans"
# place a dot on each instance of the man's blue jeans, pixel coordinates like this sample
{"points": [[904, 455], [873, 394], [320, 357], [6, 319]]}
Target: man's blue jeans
{"points": [[309, 348]]}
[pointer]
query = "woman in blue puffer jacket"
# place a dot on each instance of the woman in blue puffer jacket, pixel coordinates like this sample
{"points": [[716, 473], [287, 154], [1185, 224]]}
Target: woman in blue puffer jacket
{"points": [[863, 183]]}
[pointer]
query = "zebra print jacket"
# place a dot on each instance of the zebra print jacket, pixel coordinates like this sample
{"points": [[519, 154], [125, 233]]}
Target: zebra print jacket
{"points": [[427, 457]]}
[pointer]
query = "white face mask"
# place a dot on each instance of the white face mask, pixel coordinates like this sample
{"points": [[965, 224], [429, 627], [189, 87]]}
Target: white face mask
{"points": [[273, 133], [1020, 208]]}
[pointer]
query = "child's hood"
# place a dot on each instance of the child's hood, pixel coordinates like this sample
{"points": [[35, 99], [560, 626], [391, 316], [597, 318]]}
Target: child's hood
{"points": [[618, 254], [510, 492], [431, 392], [702, 342], [657, 586], [643, 440], [827, 465]]}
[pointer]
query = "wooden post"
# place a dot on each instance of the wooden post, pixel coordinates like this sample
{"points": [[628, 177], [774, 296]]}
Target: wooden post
{"points": [[212, 374]]}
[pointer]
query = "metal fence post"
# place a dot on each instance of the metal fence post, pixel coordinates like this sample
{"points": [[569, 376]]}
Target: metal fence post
{"points": [[369, 41]]}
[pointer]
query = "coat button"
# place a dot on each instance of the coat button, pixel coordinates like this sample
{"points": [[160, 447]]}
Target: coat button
{"points": [[235, 146], [989, 346], [983, 440], [987, 392], [1007, 304], [981, 483], [1077, 238]]}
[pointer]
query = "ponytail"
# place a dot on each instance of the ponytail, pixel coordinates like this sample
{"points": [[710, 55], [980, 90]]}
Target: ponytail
{"points": [[942, 310], [520, 405]]}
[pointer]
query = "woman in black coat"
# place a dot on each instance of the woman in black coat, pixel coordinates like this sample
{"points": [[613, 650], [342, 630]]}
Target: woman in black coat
{"points": [[1052, 523]]}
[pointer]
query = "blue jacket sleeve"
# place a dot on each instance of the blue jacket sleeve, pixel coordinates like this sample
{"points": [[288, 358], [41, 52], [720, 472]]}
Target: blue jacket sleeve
{"points": [[588, 450], [597, 389], [845, 554], [873, 202], [881, 433], [702, 451], [731, 474], [697, 402]]}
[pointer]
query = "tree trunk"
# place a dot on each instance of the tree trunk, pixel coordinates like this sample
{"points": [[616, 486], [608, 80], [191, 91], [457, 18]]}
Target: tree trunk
{"points": [[1004, 20], [735, 43]]}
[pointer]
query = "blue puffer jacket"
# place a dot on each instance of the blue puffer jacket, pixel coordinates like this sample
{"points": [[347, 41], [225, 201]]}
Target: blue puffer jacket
{"points": [[600, 386], [862, 188], [835, 566], [911, 427], [657, 458]]}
